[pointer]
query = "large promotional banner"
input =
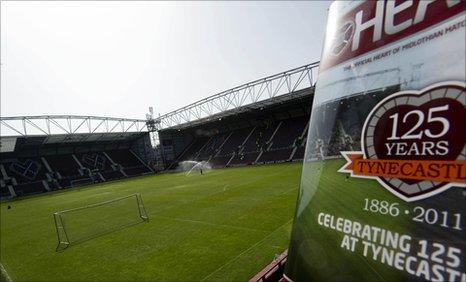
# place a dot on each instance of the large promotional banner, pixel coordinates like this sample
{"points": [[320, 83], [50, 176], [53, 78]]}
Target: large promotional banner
{"points": [[383, 188]]}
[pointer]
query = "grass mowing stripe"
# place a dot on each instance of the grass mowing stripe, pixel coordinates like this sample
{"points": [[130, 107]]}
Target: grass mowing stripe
{"points": [[248, 249], [217, 216], [221, 191], [209, 223], [3, 274]]}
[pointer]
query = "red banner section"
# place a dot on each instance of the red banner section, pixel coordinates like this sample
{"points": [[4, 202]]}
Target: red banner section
{"points": [[379, 23], [440, 171]]}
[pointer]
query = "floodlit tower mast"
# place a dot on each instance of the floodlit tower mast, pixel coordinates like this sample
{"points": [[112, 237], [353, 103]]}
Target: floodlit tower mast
{"points": [[152, 126]]}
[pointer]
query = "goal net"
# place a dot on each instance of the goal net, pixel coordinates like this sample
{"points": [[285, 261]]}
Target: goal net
{"points": [[81, 224]]}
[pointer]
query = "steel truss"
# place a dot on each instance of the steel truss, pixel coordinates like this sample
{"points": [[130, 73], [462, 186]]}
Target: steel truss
{"points": [[246, 94], [68, 125]]}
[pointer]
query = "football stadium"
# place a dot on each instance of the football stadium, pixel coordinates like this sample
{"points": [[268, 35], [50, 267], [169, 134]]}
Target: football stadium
{"points": [[214, 200], [351, 168]]}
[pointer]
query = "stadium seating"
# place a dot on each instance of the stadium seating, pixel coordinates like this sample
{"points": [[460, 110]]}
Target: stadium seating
{"points": [[259, 138], [4, 191], [288, 132], [212, 146], [136, 170], [31, 175], [68, 168], [29, 188], [235, 141], [270, 142], [64, 164], [276, 155], [244, 159], [112, 174], [130, 163], [26, 170], [220, 161], [94, 161], [191, 150], [299, 154], [98, 162], [25, 176], [124, 158]]}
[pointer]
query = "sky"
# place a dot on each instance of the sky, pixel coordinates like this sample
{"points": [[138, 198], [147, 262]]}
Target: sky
{"points": [[118, 58]]}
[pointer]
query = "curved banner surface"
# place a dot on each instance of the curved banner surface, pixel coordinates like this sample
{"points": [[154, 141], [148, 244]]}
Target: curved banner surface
{"points": [[383, 187]]}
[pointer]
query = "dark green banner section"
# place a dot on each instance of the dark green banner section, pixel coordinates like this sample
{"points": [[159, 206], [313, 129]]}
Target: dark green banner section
{"points": [[397, 105], [352, 230]]}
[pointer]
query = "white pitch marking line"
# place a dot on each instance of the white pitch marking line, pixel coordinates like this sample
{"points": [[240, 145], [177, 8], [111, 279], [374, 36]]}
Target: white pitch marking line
{"points": [[209, 223], [248, 249]]}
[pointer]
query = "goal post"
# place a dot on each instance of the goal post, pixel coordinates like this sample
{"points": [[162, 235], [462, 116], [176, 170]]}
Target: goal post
{"points": [[84, 223]]}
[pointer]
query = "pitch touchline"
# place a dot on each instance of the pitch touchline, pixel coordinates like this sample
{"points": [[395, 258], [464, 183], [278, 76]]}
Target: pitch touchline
{"points": [[209, 223], [248, 249]]}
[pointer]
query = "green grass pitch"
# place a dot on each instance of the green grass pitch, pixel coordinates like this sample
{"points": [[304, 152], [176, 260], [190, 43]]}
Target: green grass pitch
{"points": [[224, 225]]}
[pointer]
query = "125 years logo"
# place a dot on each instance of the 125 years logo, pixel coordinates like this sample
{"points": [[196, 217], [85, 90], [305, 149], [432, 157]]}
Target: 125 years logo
{"points": [[414, 142]]}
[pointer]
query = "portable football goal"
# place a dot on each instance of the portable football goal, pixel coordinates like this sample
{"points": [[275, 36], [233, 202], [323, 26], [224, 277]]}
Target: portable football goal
{"points": [[83, 223]]}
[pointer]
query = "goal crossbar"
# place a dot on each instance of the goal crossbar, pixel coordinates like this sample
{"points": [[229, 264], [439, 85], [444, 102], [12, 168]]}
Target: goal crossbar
{"points": [[82, 223]]}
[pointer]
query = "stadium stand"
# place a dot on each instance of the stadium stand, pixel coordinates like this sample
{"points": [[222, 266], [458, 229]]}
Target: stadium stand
{"points": [[289, 131], [29, 188], [244, 159], [279, 140], [275, 132], [63, 164], [24, 176], [131, 164], [272, 134], [67, 169], [262, 121], [212, 146], [275, 155], [99, 164], [299, 153], [4, 192], [234, 142], [35, 167], [191, 151], [123, 157], [221, 161], [272, 142]]}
